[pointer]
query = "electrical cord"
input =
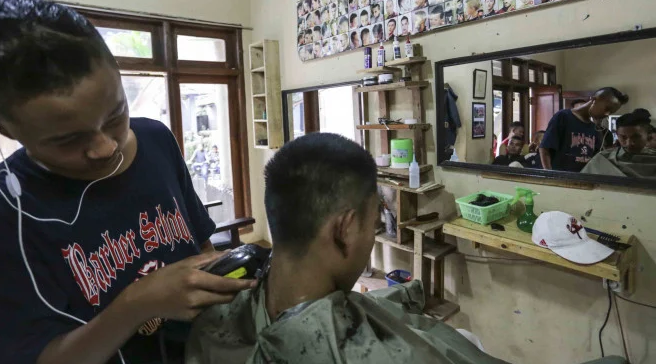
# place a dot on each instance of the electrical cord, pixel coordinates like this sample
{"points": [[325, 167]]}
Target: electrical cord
{"points": [[635, 302], [619, 322], [610, 306]]}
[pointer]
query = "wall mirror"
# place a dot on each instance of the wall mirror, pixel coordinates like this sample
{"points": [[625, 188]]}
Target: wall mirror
{"points": [[333, 108], [506, 116]]}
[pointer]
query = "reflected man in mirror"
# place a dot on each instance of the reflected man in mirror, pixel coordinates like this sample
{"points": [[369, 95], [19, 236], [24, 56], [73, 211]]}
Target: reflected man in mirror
{"points": [[571, 139], [516, 129], [514, 155], [632, 158]]}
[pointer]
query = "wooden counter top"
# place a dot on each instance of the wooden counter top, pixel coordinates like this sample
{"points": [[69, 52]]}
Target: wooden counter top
{"points": [[615, 268]]}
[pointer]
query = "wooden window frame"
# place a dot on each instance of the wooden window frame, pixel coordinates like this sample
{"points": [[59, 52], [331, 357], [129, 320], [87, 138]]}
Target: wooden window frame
{"points": [[164, 43]]}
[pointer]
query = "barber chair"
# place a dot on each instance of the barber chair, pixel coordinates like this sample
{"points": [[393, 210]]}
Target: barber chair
{"points": [[226, 235]]}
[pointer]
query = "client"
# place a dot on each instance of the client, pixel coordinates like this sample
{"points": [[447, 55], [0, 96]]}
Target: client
{"points": [[632, 158], [513, 157], [322, 206]]}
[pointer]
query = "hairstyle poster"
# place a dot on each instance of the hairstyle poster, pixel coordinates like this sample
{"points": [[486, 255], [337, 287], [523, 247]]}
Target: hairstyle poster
{"points": [[330, 27]]}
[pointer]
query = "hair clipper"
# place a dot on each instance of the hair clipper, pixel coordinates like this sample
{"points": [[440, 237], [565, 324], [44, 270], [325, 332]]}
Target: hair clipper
{"points": [[246, 262]]}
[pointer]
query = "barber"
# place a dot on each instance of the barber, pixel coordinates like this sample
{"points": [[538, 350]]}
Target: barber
{"points": [[113, 232]]}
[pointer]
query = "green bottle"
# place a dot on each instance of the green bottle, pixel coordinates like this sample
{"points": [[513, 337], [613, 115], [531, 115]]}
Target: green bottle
{"points": [[527, 220]]}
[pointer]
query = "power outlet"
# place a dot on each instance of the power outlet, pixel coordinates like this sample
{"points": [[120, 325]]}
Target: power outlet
{"points": [[614, 285]]}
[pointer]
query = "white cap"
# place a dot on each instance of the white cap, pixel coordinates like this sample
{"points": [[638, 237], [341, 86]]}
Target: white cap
{"points": [[565, 236]]}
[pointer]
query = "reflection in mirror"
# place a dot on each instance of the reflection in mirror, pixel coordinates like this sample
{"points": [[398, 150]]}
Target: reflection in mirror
{"points": [[327, 110], [582, 110]]}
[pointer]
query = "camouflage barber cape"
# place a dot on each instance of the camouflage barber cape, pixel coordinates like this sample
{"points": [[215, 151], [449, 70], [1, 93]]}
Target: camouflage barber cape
{"points": [[384, 326]]}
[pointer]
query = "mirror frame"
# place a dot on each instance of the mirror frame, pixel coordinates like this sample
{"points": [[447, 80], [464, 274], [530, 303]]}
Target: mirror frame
{"points": [[285, 104], [440, 129]]}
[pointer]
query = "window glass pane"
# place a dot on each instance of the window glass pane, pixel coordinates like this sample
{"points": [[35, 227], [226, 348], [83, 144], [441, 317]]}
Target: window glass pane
{"points": [[531, 76], [299, 114], [201, 49], [497, 68], [515, 72], [206, 127], [498, 116], [128, 43], [147, 97], [336, 111], [545, 78], [516, 106]]}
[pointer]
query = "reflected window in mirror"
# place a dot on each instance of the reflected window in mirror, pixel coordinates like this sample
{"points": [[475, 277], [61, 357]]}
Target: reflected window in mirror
{"points": [[569, 103], [328, 109]]}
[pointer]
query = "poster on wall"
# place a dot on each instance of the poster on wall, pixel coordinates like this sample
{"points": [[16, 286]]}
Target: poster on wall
{"points": [[478, 120], [330, 27]]}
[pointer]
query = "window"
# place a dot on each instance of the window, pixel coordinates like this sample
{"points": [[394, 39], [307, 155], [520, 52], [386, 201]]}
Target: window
{"points": [[299, 114], [497, 68], [128, 43], [515, 72], [197, 93], [517, 106], [201, 49], [337, 120], [545, 78], [531, 75]]}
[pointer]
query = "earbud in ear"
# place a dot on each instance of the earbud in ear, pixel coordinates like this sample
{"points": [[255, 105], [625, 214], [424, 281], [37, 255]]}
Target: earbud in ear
{"points": [[13, 185]]}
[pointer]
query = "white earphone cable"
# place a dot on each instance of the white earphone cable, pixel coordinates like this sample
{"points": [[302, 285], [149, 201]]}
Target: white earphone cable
{"points": [[19, 209]]}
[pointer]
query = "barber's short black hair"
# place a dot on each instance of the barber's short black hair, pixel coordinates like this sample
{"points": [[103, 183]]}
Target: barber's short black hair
{"points": [[612, 91], [577, 101], [45, 48], [515, 125], [376, 5], [639, 117], [311, 178], [353, 16]]}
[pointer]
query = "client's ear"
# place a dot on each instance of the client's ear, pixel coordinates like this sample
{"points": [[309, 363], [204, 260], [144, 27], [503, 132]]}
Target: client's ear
{"points": [[344, 226]]}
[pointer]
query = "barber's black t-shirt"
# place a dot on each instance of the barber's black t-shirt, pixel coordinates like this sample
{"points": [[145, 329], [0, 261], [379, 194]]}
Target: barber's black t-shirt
{"points": [[130, 225], [572, 142]]}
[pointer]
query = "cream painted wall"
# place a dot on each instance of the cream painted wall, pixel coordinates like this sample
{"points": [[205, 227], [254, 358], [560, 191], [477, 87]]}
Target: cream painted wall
{"points": [[627, 66], [461, 80], [524, 313]]}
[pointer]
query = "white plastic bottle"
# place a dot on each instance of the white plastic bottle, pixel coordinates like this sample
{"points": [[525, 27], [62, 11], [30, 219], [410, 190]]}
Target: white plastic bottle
{"points": [[397, 48], [381, 55], [414, 173], [409, 49]]}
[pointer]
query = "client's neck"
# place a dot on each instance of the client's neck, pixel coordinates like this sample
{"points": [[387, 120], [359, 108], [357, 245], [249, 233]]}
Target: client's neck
{"points": [[294, 280]]}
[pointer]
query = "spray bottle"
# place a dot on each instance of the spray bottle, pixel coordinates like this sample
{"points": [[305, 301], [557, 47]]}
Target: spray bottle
{"points": [[381, 55], [414, 173], [397, 48], [526, 221]]}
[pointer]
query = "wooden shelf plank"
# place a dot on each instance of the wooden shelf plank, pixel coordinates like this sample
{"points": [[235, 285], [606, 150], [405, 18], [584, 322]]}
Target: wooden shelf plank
{"points": [[427, 227], [403, 172], [378, 70], [426, 187], [258, 70], [390, 241], [376, 281], [441, 310], [434, 251], [406, 61], [519, 242], [421, 126], [394, 86]]}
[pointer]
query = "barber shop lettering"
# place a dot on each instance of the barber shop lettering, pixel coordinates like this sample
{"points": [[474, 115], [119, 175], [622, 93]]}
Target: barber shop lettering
{"points": [[98, 271]]}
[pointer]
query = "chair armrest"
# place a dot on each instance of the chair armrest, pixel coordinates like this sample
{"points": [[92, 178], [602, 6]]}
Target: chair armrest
{"points": [[212, 204], [234, 224]]}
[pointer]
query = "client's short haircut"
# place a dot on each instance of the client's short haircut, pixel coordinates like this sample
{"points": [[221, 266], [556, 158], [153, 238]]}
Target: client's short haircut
{"points": [[45, 48], [612, 92], [639, 117], [311, 178], [516, 124], [515, 137]]}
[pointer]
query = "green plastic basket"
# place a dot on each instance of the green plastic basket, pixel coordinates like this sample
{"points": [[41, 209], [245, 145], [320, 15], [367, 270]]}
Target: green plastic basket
{"points": [[488, 214]]}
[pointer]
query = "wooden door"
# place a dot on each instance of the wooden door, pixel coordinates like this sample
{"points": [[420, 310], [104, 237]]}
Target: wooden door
{"points": [[546, 102]]}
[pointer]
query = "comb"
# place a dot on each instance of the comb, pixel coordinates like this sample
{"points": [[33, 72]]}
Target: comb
{"points": [[611, 241]]}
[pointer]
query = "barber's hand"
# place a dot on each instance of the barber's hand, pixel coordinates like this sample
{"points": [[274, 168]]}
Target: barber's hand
{"points": [[181, 291]]}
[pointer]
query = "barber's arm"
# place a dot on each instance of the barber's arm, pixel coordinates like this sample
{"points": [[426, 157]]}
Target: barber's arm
{"points": [[179, 292], [545, 157]]}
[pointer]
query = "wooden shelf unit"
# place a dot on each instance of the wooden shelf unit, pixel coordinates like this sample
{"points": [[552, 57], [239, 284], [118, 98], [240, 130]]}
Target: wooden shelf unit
{"points": [[619, 267], [394, 65], [428, 253], [267, 94]]}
